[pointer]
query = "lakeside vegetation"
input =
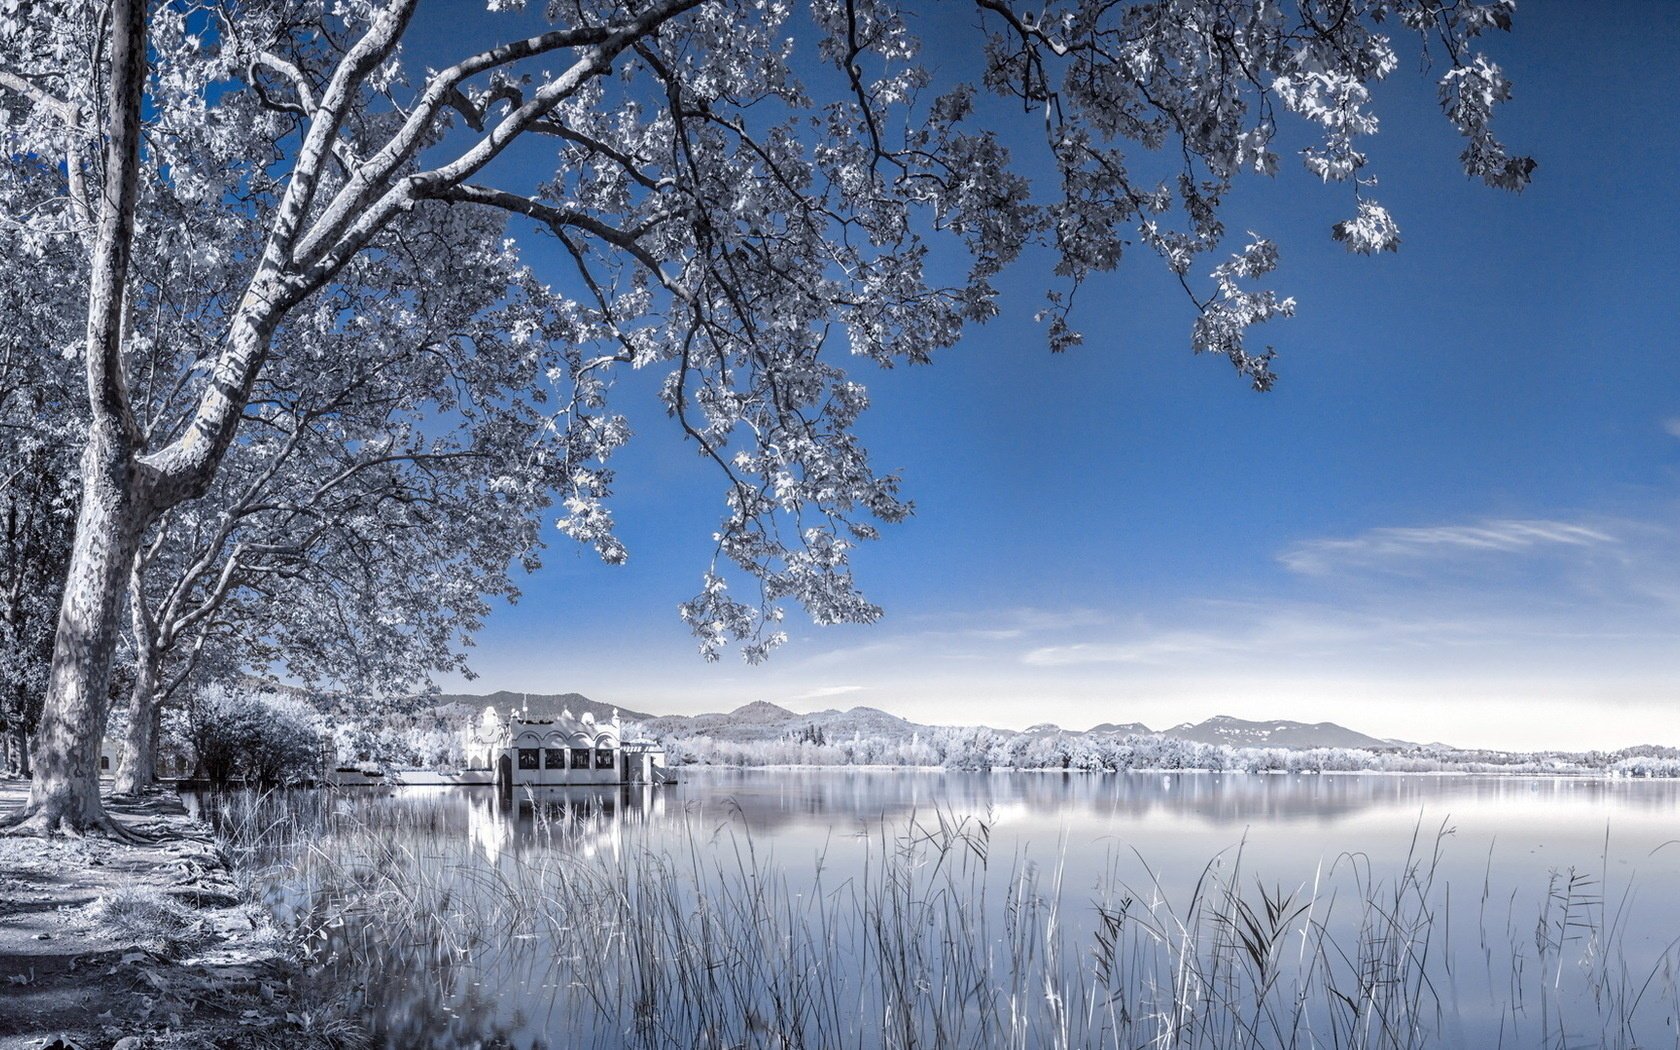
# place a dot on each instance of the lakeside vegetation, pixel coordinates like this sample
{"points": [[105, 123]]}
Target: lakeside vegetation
{"points": [[435, 738], [983, 749], [932, 938], [443, 738]]}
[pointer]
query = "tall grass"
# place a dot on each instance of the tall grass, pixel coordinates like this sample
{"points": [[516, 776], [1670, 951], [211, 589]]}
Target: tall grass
{"points": [[603, 933]]}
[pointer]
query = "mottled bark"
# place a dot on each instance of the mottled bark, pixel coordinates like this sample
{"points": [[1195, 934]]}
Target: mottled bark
{"points": [[65, 792], [137, 770]]}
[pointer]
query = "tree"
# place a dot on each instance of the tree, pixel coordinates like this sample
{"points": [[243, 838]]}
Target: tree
{"points": [[353, 536], [40, 408], [267, 739], [35, 517], [741, 199]]}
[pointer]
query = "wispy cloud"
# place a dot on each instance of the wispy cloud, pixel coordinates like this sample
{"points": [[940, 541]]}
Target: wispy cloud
{"points": [[1392, 547], [1011, 622], [1310, 637], [1147, 649], [1672, 426], [827, 691], [1270, 631]]}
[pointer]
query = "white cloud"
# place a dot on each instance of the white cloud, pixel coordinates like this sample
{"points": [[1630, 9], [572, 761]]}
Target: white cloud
{"points": [[1274, 632], [1148, 649], [1672, 426], [1011, 622], [1387, 547], [827, 691]]}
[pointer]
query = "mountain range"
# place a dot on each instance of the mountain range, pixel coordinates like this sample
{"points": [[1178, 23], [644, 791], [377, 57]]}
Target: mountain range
{"points": [[536, 705], [762, 720]]}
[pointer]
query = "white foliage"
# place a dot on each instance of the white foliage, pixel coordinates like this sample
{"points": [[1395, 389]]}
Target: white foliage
{"points": [[1372, 230], [748, 195]]}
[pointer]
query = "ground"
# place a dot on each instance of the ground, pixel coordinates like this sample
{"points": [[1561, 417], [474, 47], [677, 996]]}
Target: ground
{"points": [[107, 945]]}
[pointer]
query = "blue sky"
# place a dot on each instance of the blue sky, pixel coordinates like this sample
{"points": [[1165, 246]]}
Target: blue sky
{"points": [[1455, 518]]}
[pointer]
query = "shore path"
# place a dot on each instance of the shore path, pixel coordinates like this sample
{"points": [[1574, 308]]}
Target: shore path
{"points": [[109, 945]]}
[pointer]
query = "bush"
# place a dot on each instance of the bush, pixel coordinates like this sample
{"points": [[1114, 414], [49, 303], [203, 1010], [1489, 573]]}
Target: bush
{"points": [[261, 738]]}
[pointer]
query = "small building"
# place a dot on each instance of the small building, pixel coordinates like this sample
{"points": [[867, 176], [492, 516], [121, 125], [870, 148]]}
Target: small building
{"points": [[576, 749]]}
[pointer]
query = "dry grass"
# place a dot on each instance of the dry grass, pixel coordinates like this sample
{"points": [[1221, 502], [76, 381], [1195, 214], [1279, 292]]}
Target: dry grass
{"points": [[614, 936], [147, 917]]}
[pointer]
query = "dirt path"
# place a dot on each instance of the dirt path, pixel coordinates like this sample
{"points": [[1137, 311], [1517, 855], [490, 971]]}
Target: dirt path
{"points": [[110, 945]]}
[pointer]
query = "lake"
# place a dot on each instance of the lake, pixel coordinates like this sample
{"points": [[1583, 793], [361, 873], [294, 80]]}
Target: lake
{"points": [[899, 908]]}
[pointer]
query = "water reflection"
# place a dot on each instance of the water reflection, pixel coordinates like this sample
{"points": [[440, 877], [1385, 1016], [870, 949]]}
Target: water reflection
{"points": [[503, 871], [780, 801], [773, 799], [589, 818]]}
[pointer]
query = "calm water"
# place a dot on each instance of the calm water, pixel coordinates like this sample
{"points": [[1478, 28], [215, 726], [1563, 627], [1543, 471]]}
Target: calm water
{"points": [[1545, 911]]}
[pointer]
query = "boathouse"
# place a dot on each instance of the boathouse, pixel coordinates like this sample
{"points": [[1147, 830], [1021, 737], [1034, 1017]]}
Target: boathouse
{"points": [[576, 749]]}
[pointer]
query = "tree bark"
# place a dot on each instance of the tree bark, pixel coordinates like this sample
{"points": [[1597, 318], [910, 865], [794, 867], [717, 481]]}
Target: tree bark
{"points": [[137, 771], [65, 792], [17, 751], [64, 795]]}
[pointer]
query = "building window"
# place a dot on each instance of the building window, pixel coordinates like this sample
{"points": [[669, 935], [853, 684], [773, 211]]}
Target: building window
{"points": [[580, 758], [554, 758], [528, 758], [104, 761], [604, 758]]}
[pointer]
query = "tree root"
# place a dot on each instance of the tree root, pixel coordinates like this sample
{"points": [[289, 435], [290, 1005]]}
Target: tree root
{"points": [[47, 825], [137, 795]]}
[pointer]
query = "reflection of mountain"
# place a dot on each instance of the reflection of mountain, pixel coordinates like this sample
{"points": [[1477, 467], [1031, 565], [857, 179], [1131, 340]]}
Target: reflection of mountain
{"points": [[769, 803], [773, 800]]}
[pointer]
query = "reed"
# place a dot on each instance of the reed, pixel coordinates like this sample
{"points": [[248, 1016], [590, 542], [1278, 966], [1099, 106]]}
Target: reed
{"points": [[600, 932]]}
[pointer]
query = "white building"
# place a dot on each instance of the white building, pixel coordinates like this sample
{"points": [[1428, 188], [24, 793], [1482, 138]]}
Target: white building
{"points": [[576, 749]]}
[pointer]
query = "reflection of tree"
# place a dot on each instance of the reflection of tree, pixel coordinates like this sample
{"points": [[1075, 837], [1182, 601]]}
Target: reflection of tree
{"points": [[770, 801], [482, 938]]}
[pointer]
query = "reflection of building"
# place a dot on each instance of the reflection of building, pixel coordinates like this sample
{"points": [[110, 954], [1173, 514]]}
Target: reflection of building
{"points": [[581, 819], [576, 749], [488, 830]]}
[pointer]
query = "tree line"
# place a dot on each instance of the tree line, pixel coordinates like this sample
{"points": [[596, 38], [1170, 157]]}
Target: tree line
{"points": [[973, 749]]}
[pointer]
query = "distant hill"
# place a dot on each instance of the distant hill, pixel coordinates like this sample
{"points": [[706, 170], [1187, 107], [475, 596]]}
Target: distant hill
{"points": [[763, 720], [1121, 729], [541, 705], [1237, 732]]}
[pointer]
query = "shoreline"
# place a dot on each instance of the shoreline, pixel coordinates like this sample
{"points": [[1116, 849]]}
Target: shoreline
{"points": [[110, 946], [1605, 776], [1559, 774]]}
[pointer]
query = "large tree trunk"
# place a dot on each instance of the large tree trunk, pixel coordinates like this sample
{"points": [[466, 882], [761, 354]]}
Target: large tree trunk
{"points": [[113, 514], [137, 771], [65, 791]]}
